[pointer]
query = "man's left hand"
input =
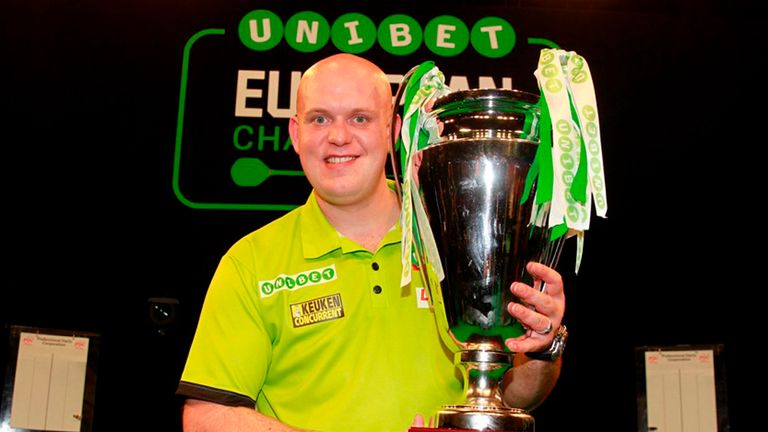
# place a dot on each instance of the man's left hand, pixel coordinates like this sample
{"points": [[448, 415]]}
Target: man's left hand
{"points": [[541, 311]]}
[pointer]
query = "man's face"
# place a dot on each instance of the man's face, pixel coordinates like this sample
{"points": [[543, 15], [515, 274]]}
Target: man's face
{"points": [[341, 133]]}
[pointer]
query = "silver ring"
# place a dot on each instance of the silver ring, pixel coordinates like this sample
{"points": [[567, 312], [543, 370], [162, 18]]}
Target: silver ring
{"points": [[547, 330]]}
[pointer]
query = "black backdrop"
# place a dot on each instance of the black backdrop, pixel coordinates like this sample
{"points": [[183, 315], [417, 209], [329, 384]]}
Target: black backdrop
{"points": [[92, 228]]}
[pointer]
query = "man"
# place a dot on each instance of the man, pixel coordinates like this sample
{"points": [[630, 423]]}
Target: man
{"points": [[305, 319]]}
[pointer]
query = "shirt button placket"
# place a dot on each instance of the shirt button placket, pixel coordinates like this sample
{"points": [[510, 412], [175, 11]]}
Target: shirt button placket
{"points": [[377, 291]]}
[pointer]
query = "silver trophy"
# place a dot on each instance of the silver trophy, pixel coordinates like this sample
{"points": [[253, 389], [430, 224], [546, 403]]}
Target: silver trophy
{"points": [[471, 184]]}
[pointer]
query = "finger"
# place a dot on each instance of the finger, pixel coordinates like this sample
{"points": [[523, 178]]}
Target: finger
{"points": [[552, 279], [531, 319], [527, 344], [418, 421], [541, 301]]}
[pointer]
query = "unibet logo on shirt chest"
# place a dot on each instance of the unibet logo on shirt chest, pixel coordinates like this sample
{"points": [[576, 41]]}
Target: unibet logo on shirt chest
{"points": [[299, 280]]}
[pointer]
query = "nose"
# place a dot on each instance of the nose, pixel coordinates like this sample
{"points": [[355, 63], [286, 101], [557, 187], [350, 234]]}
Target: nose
{"points": [[339, 133]]}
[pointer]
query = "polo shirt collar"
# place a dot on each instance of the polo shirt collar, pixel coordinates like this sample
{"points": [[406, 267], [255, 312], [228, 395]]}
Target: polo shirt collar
{"points": [[319, 237]]}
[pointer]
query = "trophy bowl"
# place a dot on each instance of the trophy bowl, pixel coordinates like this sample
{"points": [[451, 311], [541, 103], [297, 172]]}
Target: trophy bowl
{"points": [[471, 186]]}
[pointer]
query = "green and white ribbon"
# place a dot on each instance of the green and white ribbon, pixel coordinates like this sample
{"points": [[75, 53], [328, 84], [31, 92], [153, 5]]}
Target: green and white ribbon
{"points": [[574, 150], [418, 130]]}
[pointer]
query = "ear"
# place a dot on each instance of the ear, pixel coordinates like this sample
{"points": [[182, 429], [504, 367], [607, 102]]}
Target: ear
{"points": [[398, 124], [293, 131]]}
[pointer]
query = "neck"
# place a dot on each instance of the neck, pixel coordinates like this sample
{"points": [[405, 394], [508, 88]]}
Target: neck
{"points": [[364, 222]]}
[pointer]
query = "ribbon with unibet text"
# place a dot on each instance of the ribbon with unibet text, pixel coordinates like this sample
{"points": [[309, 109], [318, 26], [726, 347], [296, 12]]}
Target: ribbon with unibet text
{"points": [[419, 129], [568, 167]]}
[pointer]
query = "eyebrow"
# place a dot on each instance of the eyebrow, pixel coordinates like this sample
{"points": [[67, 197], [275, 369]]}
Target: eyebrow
{"points": [[315, 111], [320, 111]]}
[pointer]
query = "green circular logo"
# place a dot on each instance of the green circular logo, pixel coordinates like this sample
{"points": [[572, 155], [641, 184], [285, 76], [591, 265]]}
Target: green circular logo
{"points": [[565, 143], [302, 279], [569, 197], [307, 31], [575, 71], [573, 213], [290, 283], [580, 77], [566, 161], [591, 129], [589, 112], [596, 164], [578, 61], [600, 200], [353, 33], [567, 177], [563, 126], [314, 276], [446, 35], [553, 85], [546, 57], [594, 148], [328, 274], [279, 282], [597, 184], [267, 288], [399, 34], [260, 30], [493, 37], [549, 71]]}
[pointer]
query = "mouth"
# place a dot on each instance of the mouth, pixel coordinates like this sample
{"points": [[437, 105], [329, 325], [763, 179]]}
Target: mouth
{"points": [[339, 159]]}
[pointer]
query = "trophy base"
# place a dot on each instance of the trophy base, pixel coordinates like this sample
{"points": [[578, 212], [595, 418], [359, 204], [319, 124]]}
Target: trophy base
{"points": [[479, 418]]}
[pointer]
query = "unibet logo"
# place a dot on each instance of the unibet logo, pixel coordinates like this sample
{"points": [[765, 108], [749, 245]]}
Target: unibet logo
{"points": [[397, 34], [298, 280]]}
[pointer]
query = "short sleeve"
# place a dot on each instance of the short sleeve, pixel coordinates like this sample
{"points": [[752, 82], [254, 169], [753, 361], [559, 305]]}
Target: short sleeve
{"points": [[231, 349]]}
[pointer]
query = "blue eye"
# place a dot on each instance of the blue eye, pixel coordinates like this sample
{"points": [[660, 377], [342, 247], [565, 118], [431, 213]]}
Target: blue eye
{"points": [[359, 119], [320, 120]]}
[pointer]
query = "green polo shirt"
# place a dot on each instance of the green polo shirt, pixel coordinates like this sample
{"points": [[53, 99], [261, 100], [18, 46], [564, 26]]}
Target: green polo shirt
{"points": [[315, 331]]}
